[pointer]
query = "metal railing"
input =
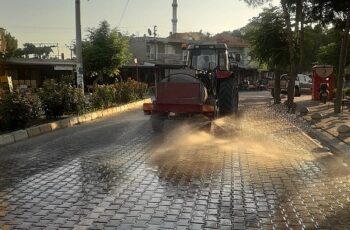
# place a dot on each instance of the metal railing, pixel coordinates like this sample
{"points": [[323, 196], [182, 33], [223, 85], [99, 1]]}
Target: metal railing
{"points": [[166, 58]]}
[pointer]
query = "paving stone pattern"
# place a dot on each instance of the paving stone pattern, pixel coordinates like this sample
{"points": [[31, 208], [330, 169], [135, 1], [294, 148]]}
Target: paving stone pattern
{"points": [[116, 174]]}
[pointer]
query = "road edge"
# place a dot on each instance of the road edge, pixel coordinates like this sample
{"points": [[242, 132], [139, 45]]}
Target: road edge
{"points": [[333, 143], [23, 134]]}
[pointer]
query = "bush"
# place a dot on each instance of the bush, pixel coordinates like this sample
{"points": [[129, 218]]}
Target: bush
{"points": [[105, 96], [347, 91], [73, 100], [36, 110], [60, 98], [128, 91], [141, 90], [51, 99], [15, 111], [132, 90], [79, 104]]}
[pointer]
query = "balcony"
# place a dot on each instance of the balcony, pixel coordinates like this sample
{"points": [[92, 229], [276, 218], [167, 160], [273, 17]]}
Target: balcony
{"points": [[167, 58]]}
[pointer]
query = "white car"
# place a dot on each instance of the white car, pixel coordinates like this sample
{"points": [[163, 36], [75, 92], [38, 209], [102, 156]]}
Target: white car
{"points": [[303, 84]]}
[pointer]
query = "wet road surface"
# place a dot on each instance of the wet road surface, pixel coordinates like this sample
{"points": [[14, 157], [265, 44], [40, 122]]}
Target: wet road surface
{"points": [[116, 174]]}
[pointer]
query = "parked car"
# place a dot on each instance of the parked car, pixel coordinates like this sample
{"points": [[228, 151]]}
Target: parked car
{"points": [[303, 84]]}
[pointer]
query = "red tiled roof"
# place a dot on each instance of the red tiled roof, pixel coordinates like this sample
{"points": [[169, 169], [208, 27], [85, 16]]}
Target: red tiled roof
{"points": [[230, 40], [194, 36]]}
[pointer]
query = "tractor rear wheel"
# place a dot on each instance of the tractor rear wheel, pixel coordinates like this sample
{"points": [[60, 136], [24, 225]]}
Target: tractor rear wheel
{"points": [[157, 122], [236, 102], [228, 97]]}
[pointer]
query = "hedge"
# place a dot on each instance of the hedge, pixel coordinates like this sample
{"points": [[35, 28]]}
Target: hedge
{"points": [[58, 98]]}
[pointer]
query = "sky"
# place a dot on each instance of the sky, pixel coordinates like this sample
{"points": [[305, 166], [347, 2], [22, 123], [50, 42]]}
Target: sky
{"points": [[53, 21]]}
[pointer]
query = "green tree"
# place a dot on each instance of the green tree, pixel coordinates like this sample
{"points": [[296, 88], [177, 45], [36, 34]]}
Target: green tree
{"points": [[105, 51], [268, 41], [314, 38], [328, 54], [288, 8], [37, 52], [43, 51], [237, 33], [28, 48], [11, 46], [336, 12]]}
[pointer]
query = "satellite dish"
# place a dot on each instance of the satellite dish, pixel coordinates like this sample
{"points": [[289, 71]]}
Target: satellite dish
{"points": [[149, 32]]}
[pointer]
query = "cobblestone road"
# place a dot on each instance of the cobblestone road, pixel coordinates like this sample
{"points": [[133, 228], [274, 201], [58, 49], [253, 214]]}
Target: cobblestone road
{"points": [[116, 174]]}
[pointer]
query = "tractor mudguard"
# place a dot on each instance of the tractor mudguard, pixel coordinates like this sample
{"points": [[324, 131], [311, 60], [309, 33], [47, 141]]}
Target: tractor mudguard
{"points": [[222, 74]]}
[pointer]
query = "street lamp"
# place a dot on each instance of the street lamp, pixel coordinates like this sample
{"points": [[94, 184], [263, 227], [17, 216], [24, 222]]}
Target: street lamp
{"points": [[137, 69]]}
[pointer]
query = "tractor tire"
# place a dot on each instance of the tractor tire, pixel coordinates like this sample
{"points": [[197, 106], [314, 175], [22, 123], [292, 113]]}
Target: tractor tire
{"points": [[157, 123], [228, 97], [236, 102]]}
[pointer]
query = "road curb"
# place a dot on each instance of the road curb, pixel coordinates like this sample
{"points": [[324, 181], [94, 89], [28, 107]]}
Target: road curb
{"points": [[333, 143], [330, 141], [323, 139], [34, 131]]}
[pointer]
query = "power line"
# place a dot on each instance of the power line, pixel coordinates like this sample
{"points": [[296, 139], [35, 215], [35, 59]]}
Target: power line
{"points": [[69, 28], [41, 27], [122, 16]]}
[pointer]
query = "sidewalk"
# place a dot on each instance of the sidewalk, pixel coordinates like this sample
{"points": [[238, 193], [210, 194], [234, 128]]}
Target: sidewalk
{"points": [[23, 134], [325, 130]]}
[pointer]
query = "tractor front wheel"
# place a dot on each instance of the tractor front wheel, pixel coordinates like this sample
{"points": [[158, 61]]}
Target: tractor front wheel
{"points": [[228, 97]]}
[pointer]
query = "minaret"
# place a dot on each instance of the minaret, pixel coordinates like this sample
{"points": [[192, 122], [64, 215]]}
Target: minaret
{"points": [[174, 20]]}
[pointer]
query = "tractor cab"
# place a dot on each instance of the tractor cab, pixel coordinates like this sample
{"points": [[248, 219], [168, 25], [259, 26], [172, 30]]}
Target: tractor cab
{"points": [[208, 57]]}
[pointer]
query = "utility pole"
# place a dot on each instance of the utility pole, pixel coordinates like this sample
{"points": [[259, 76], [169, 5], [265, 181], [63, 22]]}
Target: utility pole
{"points": [[137, 68], [71, 49], [155, 42], [80, 76]]}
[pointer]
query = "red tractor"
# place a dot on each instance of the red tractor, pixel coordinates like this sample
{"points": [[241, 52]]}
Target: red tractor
{"points": [[206, 86]]}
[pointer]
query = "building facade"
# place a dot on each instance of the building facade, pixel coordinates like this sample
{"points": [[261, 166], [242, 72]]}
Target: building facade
{"points": [[158, 50], [30, 73]]}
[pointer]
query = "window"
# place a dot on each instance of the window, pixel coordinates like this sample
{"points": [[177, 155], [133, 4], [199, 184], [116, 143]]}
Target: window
{"points": [[169, 49], [203, 59]]}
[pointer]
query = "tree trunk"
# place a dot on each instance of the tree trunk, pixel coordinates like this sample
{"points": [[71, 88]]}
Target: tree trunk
{"points": [[342, 62], [293, 70], [301, 39], [297, 15], [277, 87]]}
